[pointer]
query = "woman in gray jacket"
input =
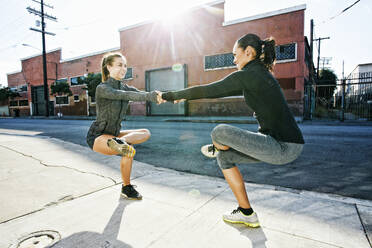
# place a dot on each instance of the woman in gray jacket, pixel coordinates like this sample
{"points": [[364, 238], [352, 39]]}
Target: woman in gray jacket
{"points": [[112, 98]]}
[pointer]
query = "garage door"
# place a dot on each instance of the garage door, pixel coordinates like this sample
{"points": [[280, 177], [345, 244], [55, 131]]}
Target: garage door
{"points": [[37, 96], [166, 79]]}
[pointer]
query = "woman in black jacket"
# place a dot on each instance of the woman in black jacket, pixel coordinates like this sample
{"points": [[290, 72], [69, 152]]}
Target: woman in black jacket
{"points": [[112, 98], [278, 140]]}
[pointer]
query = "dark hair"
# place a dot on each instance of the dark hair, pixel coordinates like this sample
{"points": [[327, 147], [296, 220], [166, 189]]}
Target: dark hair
{"points": [[265, 49], [107, 60]]}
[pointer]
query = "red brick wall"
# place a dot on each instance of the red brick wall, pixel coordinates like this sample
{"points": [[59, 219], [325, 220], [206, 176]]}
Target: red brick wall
{"points": [[187, 40], [14, 80], [32, 73], [75, 68], [198, 33]]}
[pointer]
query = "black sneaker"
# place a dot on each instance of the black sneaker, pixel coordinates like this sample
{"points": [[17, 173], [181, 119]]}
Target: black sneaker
{"points": [[129, 192]]}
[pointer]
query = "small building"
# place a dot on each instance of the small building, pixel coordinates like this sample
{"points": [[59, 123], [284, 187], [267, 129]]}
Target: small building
{"points": [[193, 49], [199, 43], [29, 84]]}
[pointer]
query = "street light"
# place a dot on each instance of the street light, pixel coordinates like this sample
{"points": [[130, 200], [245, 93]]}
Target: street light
{"points": [[28, 45]]}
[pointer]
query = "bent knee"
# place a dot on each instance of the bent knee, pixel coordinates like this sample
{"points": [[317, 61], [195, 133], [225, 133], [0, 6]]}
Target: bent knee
{"points": [[224, 160], [219, 132], [146, 133]]}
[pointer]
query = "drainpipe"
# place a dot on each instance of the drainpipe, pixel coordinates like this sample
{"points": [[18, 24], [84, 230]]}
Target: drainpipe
{"points": [[87, 102]]}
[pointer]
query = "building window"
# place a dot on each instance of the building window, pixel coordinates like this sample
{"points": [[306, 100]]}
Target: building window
{"points": [[23, 102], [62, 100], [129, 74], [62, 80], [22, 88], [77, 80], [92, 99], [76, 98], [286, 53], [13, 103], [219, 61]]}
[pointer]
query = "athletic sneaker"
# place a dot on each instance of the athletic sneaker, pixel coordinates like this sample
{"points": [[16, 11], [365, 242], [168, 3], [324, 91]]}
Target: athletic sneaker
{"points": [[209, 151], [129, 192], [121, 147], [237, 217]]}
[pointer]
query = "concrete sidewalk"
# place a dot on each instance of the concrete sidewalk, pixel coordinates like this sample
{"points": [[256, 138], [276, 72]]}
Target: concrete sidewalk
{"points": [[55, 192]]}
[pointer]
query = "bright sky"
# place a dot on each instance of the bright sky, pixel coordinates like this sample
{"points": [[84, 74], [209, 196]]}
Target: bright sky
{"points": [[88, 26]]}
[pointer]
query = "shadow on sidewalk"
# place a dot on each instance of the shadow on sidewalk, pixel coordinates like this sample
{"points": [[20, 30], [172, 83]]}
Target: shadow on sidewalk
{"points": [[255, 235], [108, 239]]}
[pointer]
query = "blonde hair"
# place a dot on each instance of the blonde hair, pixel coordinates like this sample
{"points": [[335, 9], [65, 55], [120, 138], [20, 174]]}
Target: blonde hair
{"points": [[107, 60]]}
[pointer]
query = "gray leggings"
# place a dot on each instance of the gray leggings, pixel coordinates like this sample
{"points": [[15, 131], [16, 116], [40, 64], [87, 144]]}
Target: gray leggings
{"points": [[250, 147]]}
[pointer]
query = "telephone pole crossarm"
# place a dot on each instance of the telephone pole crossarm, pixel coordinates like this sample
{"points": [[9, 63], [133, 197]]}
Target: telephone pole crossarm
{"points": [[43, 15]]}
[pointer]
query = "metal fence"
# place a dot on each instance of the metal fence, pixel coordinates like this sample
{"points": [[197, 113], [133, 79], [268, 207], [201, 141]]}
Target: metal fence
{"points": [[349, 99]]}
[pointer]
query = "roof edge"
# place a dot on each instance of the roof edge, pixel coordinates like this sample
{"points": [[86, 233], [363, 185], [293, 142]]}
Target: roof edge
{"points": [[14, 72], [39, 54], [265, 15], [152, 20], [89, 54]]}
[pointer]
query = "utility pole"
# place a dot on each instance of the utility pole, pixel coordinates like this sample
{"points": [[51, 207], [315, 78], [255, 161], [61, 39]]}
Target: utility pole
{"points": [[309, 87], [43, 32], [319, 39], [312, 43]]}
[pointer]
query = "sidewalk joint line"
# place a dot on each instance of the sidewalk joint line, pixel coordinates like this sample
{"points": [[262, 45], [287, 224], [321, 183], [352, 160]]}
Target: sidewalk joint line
{"points": [[187, 216], [52, 204], [59, 166], [23, 215], [361, 222], [299, 236]]}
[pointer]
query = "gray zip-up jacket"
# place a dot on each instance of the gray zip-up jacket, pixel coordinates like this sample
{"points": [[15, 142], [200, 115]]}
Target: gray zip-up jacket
{"points": [[112, 98]]}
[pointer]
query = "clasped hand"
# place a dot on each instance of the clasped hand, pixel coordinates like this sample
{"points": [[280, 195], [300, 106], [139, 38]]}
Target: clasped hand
{"points": [[160, 100]]}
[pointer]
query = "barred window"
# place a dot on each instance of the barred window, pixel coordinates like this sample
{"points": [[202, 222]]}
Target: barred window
{"points": [[76, 80], [286, 52], [23, 88], [219, 61], [63, 80], [23, 102], [129, 74], [62, 100]]}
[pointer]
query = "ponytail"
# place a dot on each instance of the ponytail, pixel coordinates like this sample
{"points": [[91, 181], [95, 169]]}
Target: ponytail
{"points": [[268, 53], [107, 60], [265, 49]]}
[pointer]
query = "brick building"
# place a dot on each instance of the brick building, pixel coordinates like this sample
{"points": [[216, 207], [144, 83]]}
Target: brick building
{"points": [[29, 83], [191, 50]]}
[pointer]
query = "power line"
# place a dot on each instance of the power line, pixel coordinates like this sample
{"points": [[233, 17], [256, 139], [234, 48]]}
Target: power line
{"points": [[16, 43], [343, 11]]}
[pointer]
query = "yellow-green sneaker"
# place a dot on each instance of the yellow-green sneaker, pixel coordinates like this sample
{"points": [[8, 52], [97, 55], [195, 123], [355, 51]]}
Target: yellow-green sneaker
{"points": [[121, 147], [237, 217]]}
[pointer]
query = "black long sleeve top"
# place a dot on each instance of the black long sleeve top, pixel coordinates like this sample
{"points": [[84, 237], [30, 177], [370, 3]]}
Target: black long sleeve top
{"points": [[261, 92]]}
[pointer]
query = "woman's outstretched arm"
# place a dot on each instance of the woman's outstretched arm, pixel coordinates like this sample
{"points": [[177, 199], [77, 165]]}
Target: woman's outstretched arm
{"points": [[110, 93], [229, 86]]}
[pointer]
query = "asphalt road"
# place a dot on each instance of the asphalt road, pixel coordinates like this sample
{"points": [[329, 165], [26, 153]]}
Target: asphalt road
{"points": [[336, 158]]}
